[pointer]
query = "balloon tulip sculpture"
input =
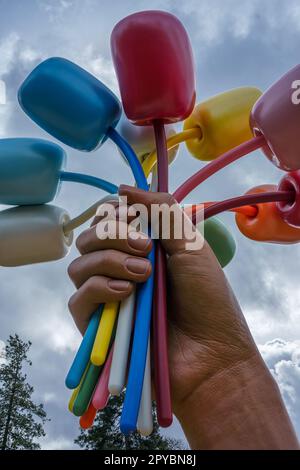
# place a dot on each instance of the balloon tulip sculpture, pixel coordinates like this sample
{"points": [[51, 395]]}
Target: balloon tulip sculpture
{"points": [[157, 85]]}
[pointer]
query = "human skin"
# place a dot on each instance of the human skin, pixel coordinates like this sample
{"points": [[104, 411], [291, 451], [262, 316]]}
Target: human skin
{"points": [[222, 392]]}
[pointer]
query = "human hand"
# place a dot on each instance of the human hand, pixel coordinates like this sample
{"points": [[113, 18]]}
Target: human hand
{"points": [[207, 331]]}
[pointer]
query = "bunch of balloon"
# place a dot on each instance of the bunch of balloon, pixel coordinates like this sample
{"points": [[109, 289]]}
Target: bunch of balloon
{"points": [[157, 85]]}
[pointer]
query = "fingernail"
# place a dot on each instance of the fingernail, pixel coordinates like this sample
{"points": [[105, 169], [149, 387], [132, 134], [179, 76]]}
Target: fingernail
{"points": [[118, 285], [137, 265], [138, 241]]}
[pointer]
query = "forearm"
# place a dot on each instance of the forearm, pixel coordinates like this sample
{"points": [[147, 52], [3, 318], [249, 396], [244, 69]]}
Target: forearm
{"points": [[241, 408]]}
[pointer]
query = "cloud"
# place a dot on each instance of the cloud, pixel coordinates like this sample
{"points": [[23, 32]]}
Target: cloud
{"points": [[55, 9], [98, 65], [7, 52], [235, 43], [60, 443], [16, 57], [175, 432], [283, 359], [2, 352], [215, 18]]}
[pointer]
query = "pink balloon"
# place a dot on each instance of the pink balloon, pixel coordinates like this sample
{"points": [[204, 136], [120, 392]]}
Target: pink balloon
{"points": [[276, 115], [101, 393]]}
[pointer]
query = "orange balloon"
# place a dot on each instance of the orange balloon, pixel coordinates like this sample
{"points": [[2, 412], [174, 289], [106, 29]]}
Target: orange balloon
{"points": [[267, 225], [87, 419]]}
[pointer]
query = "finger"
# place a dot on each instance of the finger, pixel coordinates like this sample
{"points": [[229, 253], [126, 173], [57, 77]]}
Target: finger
{"points": [[96, 290], [112, 263], [160, 203], [99, 217], [119, 212], [91, 240]]}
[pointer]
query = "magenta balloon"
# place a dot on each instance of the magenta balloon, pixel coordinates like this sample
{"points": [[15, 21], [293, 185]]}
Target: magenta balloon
{"points": [[154, 64], [276, 115]]}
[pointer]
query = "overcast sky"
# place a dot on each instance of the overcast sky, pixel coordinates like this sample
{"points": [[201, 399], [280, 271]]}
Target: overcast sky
{"points": [[236, 43]]}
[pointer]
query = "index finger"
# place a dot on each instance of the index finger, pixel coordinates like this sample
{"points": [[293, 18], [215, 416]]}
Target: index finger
{"points": [[136, 243]]}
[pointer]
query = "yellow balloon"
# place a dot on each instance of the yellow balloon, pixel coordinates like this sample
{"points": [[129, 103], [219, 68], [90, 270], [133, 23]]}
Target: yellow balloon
{"points": [[104, 333], [224, 122]]}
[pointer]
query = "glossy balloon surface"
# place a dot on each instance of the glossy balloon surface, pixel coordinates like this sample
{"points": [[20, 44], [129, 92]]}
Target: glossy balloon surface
{"points": [[220, 240], [69, 103], [268, 225], [290, 211], [224, 122], [277, 117], [29, 171], [33, 234], [154, 65]]}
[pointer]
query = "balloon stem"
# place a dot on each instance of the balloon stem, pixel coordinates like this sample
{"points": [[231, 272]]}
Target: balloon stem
{"points": [[159, 314], [245, 200], [217, 165], [89, 180]]}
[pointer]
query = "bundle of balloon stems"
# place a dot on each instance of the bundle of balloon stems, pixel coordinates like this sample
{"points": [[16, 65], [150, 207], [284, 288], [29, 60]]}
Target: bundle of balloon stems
{"points": [[111, 350]]}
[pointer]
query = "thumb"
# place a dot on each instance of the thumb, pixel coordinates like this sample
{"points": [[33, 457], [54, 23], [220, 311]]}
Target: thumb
{"points": [[169, 222]]}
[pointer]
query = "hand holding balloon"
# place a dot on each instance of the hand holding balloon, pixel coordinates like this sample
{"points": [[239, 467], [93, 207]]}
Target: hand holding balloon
{"points": [[207, 331]]}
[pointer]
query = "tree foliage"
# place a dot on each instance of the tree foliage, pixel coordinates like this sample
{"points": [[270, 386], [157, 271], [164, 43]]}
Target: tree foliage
{"points": [[21, 420], [105, 434]]}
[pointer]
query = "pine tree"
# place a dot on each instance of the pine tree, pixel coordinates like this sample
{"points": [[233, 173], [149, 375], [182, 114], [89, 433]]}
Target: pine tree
{"points": [[105, 433], [18, 414]]}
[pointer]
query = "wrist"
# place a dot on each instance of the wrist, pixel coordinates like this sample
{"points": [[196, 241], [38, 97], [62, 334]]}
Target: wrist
{"points": [[238, 408]]}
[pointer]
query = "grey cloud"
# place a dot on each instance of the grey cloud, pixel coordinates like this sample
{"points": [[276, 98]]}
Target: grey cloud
{"points": [[283, 358]]}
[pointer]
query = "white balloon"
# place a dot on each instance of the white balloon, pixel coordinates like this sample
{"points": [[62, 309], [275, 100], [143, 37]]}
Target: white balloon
{"points": [[33, 234]]}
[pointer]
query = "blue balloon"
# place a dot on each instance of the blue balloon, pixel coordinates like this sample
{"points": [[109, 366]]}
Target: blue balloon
{"points": [[69, 103], [29, 171]]}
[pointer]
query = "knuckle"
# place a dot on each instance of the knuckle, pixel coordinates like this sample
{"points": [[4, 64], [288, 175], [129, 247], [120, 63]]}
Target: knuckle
{"points": [[72, 304], [105, 258], [73, 269], [112, 257], [91, 286], [81, 241]]}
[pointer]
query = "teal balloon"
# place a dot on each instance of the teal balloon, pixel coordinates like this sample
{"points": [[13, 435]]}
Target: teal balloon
{"points": [[29, 171], [69, 103], [220, 240]]}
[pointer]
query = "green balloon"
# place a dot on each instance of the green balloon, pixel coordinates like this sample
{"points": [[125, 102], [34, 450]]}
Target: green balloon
{"points": [[86, 390], [89, 383], [220, 240]]}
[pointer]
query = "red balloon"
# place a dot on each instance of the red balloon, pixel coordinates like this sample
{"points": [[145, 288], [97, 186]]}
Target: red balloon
{"points": [[290, 211], [154, 65], [276, 115]]}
